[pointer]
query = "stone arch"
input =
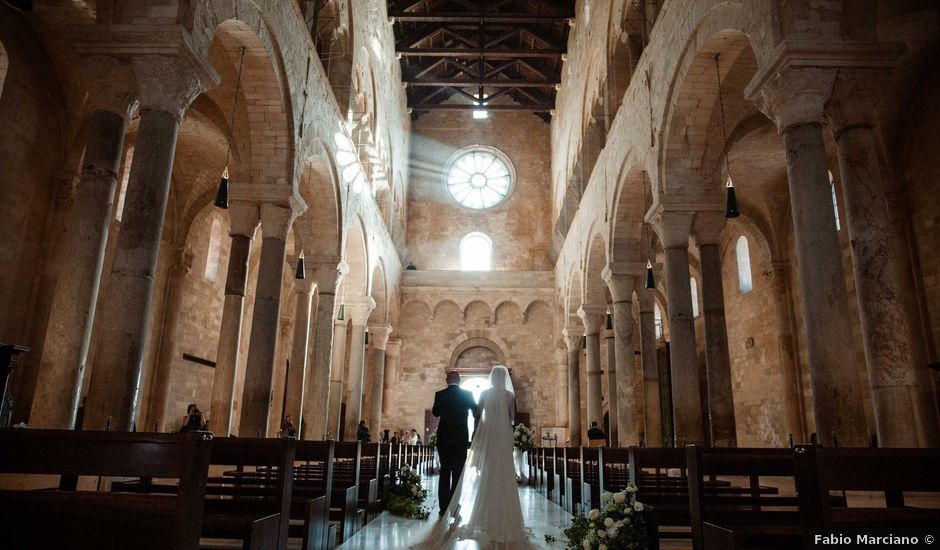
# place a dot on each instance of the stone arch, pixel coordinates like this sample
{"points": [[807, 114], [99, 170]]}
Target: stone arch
{"points": [[465, 343], [447, 310], [536, 309], [321, 224], [264, 100], [631, 200], [508, 312], [378, 289], [595, 290], [477, 313], [356, 281], [574, 298], [416, 311]]}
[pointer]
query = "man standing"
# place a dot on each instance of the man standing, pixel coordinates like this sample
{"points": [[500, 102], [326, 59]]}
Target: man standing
{"points": [[452, 405]]}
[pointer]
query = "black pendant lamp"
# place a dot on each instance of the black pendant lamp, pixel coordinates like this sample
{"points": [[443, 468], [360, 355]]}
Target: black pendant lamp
{"points": [[367, 337], [731, 202], [301, 272], [610, 320], [650, 281], [22, 5], [221, 196]]}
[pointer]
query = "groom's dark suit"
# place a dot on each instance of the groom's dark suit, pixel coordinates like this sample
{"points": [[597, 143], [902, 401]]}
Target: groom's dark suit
{"points": [[452, 406]]}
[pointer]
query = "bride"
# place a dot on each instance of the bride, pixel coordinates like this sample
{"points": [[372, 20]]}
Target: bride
{"points": [[487, 487]]}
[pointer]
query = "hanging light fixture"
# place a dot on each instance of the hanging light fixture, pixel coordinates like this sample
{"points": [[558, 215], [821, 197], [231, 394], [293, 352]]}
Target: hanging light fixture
{"points": [[650, 281], [367, 336], [342, 313], [610, 320], [731, 203], [301, 272], [221, 196]]}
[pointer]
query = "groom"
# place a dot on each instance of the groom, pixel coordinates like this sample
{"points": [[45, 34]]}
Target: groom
{"points": [[452, 405]]}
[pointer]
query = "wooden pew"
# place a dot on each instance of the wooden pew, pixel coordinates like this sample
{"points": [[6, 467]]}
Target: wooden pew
{"points": [[647, 471], [727, 517], [558, 476], [888, 472], [590, 479], [572, 480], [313, 490], [344, 506], [85, 520], [369, 482]]}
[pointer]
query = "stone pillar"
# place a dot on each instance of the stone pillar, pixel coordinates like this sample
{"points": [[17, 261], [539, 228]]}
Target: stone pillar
{"points": [[708, 227], [572, 336], [794, 99], [262, 346], [68, 330], [378, 339], [392, 369], [167, 85], [613, 407], [297, 375], [652, 409], [593, 318], [337, 372], [674, 228], [883, 292], [359, 315], [793, 389], [629, 398], [182, 264], [317, 389], [243, 221]]}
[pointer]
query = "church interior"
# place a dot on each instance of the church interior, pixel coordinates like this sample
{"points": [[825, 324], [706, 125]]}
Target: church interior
{"points": [[706, 228]]}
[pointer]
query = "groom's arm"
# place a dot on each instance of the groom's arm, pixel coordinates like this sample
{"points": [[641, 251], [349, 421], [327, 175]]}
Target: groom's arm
{"points": [[436, 409]]}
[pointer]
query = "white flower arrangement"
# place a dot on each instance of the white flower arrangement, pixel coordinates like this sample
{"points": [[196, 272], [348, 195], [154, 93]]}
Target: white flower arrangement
{"points": [[618, 524], [523, 438]]}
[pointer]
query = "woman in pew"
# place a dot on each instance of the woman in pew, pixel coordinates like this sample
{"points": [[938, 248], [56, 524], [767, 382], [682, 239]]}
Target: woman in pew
{"points": [[193, 421]]}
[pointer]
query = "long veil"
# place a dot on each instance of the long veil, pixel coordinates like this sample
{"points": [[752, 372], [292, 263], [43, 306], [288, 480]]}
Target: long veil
{"points": [[487, 488]]}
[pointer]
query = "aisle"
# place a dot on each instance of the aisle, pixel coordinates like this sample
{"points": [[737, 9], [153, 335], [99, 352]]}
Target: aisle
{"points": [[388, 532]]}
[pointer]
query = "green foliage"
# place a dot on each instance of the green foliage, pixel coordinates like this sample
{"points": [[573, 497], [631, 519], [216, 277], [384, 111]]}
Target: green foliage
{"points": [[523, 438], [407, 508], [406, 495], [617, 525]]}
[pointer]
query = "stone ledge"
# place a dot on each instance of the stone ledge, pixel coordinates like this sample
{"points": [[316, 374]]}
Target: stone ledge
{"points": [[481, 280]]}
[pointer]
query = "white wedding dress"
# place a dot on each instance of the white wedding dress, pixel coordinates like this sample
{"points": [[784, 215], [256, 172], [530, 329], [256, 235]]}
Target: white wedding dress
{"points": [[487, 489]]}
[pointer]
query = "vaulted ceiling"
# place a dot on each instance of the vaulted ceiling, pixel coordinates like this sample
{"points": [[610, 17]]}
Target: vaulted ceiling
{"points": [[488, 48]]}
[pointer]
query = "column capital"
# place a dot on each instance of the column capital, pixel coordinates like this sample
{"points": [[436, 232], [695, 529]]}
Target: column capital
{"points": [[572, 335], [328, 274], [673, 226], [647, 299], [379, 335], [111, 84], [592, 316], [393, 347], [794, 87], [359, 310], [278, 192], [243, 218], [275, 221], [855, 96], [169, 83], [622, 283], [708, 227]]}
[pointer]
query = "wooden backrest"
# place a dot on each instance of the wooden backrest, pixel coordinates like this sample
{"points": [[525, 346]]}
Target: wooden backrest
{"points": [[654, 458], [369, 468], [72, 453], [573, 463], [613, 465], [590, 465], [820, 470], [317, 459], [347, 460]]}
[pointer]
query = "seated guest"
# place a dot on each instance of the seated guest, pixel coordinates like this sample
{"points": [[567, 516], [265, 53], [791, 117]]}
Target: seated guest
{"points": [[596, 435], [362, 433], [193, 421], [287, 427]]}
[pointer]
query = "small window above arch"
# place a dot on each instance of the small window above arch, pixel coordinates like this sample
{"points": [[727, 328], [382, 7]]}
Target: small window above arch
{"points": [[835, 202], [476, 252], [215, 247], [658, 320], [743, 253], [693, 286]]}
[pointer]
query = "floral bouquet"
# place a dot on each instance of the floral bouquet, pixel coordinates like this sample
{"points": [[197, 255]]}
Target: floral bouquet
{"points": [[523, 438], [618, 525], [432, 442], [406, 495], [432, 439]]}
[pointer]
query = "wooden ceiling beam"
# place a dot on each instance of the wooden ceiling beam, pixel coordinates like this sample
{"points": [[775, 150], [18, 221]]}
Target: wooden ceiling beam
{"points": [[543, 108], [491, 83], [478, 52], [477, 17]]}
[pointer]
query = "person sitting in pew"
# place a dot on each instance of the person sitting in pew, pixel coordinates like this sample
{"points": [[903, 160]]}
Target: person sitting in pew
{"points": [[362, 433], [194, 421], [596, 435]]}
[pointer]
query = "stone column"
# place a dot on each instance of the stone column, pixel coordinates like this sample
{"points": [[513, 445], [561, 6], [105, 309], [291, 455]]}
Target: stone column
{"points": [[359, 315], [68, 330], [182, 264], [243, 221], [392, 366], [708, 227], [593, 318], [794, 99], [613, 408], [167, 85], [674, 228], [652, 409], [780, 286], [297, 375], [572, 336], [262, 346], [884, 294], [337, 372], [317, 389], [629, 398], [378, 339]]}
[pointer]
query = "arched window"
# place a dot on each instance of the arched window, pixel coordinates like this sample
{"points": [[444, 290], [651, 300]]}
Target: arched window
{"points": [[745, 284], [658, 320], [476, 253], [835, 203], [215, 245], [122, 185], [694, 287]]}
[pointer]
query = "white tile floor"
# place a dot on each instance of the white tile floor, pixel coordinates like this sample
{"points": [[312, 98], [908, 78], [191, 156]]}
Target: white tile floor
{"points": [[388, 532]]}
